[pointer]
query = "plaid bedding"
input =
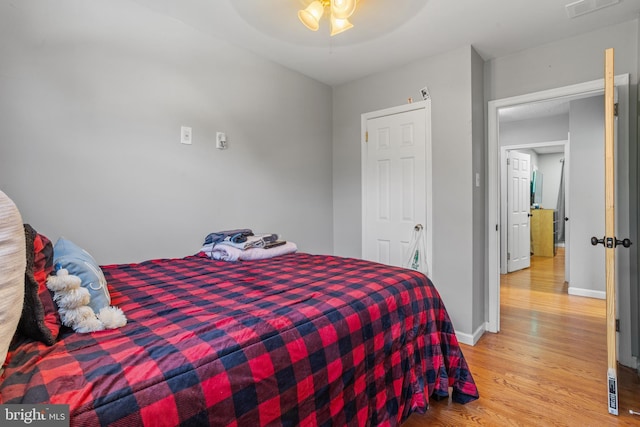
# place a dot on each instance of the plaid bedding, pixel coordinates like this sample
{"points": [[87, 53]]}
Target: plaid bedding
{"points": [[293, 340]]}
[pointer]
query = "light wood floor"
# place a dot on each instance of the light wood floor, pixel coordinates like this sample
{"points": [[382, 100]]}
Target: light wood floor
{"points": [[547, 366]]}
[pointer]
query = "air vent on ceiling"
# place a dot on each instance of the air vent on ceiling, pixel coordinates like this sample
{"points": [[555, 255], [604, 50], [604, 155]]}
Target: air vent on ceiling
{"points": [[582, 7]]}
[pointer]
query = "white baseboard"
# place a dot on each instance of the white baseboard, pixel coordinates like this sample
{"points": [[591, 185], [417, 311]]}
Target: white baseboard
{"points": [[629, 361], [587, 293], [471, 339]]}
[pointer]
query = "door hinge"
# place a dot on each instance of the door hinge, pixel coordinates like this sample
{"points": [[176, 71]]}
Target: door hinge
{"points": [[508, 256], [615, 109], [366, 136], [617, 325], [508, 161]]}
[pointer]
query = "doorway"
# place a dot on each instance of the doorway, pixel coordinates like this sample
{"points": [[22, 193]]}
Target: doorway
{"points": [[547, 159], [494, 223]]}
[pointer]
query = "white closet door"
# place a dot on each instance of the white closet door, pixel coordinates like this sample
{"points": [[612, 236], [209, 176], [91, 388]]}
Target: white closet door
{"points": [[395, 196], [519, 213]]}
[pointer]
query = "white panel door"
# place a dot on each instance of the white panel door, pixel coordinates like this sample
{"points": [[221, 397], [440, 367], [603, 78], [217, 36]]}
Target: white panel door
{"points": [[518, 209], [395, 192]]}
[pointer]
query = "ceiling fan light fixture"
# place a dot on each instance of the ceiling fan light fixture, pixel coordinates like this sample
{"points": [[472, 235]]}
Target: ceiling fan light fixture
{"points": [[339, 25], [342, 9], [310, 16]]}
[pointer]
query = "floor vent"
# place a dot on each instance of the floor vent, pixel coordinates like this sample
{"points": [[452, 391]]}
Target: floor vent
{"points": [[582, 7]]}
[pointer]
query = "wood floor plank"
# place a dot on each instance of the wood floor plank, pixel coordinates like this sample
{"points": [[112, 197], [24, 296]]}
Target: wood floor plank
{"points": [[545, 367]]}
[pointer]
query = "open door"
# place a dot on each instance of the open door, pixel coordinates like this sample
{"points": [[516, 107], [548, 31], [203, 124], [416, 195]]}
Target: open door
{"points": [[609, 240], [519, 213]]}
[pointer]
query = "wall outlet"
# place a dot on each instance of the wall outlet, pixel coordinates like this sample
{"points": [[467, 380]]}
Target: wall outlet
{"points": [[185, 135]]}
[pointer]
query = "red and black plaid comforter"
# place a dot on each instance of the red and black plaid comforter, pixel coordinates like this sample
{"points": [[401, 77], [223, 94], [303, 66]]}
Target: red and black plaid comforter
{"points": [[293, 340]]}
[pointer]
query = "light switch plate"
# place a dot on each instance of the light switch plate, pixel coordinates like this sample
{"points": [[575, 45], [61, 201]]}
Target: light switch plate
{"points": [[185, 135]]}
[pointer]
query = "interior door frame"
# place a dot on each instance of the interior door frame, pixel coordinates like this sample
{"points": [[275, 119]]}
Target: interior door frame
{"points": [[504, 194], [428, 229], [594, 87]]}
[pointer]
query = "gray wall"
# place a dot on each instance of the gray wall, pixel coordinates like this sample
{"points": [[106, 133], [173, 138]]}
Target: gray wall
{"points": [[586, 189], [564, 62], [479, 192], [542, 129], [550, 167], [93, 97], [451, 83]]}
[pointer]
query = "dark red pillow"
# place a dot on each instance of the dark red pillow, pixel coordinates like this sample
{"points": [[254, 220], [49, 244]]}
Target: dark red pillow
{"points": [[40, 319]]}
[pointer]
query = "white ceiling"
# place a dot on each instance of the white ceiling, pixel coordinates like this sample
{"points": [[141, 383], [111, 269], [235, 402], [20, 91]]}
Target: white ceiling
{"points": [[387, 33]]}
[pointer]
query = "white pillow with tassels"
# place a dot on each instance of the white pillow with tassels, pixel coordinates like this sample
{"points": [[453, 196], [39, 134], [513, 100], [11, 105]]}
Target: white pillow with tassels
{"points": [[12, 268]]}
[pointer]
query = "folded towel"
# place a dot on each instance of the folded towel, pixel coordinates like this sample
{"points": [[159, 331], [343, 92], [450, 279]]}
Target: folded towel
{"points": [[225, 252], [264, 240], [238, 236], [255, 241]]}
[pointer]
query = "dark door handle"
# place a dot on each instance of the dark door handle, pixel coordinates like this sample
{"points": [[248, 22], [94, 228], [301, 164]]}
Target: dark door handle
{"points": [[624, 242], [529, 214], [610, 243], [566, 218]]}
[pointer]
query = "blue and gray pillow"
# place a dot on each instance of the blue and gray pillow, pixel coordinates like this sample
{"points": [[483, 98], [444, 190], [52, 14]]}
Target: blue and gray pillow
{"points": [[79, 262]]}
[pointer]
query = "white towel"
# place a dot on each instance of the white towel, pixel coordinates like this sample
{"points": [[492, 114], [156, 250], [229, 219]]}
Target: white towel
{"points": [[224, 252]]}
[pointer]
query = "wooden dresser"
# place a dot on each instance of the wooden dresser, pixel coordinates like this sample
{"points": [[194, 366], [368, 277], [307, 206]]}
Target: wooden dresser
{"points": [[543, 232]]}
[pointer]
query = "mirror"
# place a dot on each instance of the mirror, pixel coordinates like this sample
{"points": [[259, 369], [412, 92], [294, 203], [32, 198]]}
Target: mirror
{"points": [[536, 188]]}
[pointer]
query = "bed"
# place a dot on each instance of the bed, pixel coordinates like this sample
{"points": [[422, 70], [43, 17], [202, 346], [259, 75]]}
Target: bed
{"points": [[298, 339]]}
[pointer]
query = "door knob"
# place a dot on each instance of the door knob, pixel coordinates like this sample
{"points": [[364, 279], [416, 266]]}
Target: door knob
{"points": [[610, 243], [624, 242], [529, 214], [566, 218]]}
